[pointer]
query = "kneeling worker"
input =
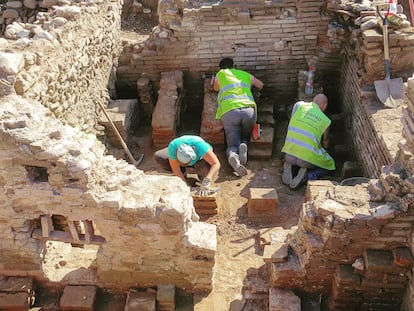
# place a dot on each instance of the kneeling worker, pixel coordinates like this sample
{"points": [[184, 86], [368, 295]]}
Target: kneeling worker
{"points": [[306, 140], [190, 151]]}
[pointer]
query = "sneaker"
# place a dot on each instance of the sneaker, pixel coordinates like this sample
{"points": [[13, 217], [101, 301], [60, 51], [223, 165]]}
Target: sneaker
{"points": [[299, 178], [287, 173], [239, 169], [243, 153]]}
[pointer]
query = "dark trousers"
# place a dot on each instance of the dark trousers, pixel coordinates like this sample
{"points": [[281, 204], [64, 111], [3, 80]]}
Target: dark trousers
{"points": [[238, 126]]}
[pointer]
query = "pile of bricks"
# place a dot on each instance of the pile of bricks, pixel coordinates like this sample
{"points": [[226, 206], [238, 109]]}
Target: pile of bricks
{"points": [[206, 206], [347, 248], [376, 282], [167, 111]]}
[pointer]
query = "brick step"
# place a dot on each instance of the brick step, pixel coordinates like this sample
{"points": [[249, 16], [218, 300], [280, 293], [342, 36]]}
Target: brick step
{"points": [[262, 148]]}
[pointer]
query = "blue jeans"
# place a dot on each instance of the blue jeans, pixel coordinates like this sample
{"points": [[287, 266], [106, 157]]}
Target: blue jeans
{"points": [[238, 126], [316, 173], [313, 172]]}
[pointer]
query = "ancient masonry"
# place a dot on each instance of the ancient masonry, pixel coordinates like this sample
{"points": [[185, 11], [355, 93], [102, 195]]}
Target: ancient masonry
{"points": [[58, 60]]}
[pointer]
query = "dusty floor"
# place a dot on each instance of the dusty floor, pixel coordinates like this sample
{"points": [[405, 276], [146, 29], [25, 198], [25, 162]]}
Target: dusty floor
{"points": [[240, 268], [240, 273], [239, 261]]}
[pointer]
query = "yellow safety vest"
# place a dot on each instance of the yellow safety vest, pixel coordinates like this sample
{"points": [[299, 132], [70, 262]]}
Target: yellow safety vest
{"points": [[303, 139], [235, 90]]}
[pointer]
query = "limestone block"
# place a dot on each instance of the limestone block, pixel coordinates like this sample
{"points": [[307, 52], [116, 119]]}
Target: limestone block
{"points": [[313, 187], [277, 252]]}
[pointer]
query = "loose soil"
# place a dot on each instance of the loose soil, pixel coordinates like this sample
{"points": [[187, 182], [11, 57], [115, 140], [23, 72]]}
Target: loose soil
{"points": [[240, 276]]}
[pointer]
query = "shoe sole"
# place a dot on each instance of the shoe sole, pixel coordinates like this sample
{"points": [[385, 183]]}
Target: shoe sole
{"points": [[237, 167], [243, 153], [287, 173], [299, 178]]}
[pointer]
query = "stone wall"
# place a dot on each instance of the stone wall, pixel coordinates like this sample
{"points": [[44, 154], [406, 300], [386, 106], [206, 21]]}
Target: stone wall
{"points": [[64, 59], [376, 131], [53, 72], [146, 226]]}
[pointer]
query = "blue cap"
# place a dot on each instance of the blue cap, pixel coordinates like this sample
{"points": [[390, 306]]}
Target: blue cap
{"points": [[185, 154]]}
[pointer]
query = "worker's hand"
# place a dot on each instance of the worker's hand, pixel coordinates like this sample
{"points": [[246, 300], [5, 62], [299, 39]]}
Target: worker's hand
{"points": [[256, 93], [204, 188]]}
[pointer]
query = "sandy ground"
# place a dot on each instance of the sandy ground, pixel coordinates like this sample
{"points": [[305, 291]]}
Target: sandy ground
{"points": [[239, 258]]}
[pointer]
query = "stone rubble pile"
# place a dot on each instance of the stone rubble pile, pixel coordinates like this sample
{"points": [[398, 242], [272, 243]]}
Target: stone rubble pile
{"points": [[30, 20], [348, 247], [364, 23]]}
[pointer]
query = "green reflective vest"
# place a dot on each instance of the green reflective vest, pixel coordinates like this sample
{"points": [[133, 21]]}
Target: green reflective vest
{"points": [[235, 90], [305, 130]]}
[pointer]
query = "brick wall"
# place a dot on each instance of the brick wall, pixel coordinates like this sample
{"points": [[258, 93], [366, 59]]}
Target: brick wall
{"points": [[272, 40]]}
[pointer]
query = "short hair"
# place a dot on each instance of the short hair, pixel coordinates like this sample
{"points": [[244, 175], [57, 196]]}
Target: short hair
{"points": [[226, 63]]}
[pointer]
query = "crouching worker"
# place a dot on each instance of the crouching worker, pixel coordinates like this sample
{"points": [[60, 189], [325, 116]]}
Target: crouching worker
{"points": [[191, 151], [306, 141]]}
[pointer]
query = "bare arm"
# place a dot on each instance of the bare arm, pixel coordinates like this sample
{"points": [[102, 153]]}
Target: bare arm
{"points": [[325, 138], [176, 169], [211, 158], [257, 83], [216, 85]]}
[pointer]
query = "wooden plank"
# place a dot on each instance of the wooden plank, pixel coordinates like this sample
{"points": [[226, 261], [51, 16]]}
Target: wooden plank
{"points": [[89, 231], [66, 237], [73, 231], [47, 225]]}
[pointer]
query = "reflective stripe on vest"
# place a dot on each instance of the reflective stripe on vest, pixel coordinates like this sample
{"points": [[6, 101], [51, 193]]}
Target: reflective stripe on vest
{"points": [[305, 142], [234, 91]]}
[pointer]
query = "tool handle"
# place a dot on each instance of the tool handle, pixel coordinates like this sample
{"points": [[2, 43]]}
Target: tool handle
{"points": [[131, 157], [411, 2], [386, 45]]}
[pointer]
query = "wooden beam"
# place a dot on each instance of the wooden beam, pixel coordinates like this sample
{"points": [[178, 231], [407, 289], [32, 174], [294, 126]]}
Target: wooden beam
{"points": [[73, 231], [47, 225], [89, 231], [66, 237]]}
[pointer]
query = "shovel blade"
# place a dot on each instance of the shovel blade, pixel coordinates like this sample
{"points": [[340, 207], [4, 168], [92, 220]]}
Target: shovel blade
{"points": [[390, 92]]}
